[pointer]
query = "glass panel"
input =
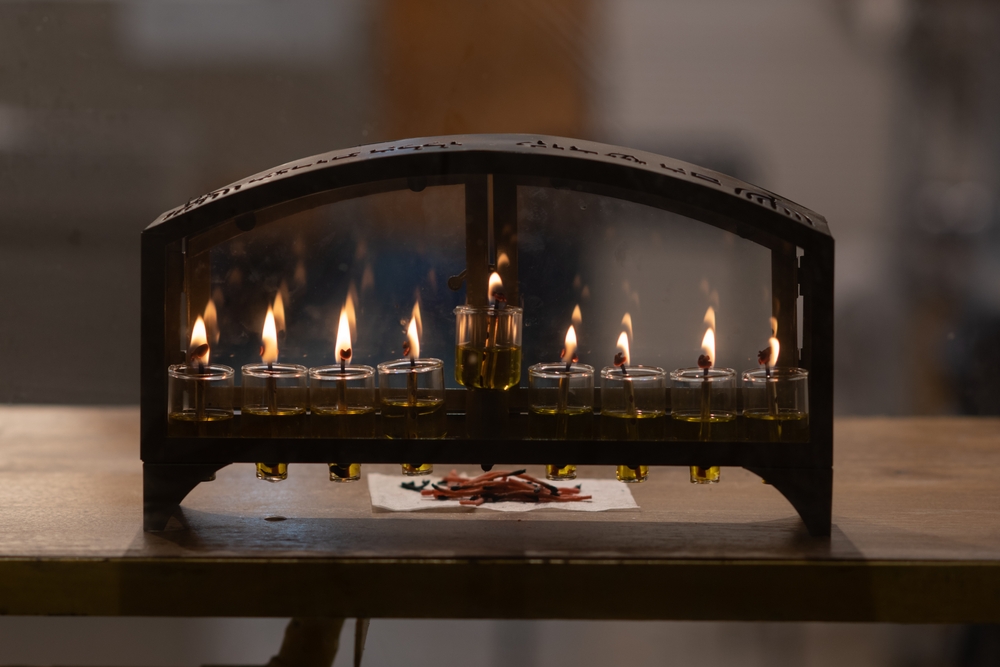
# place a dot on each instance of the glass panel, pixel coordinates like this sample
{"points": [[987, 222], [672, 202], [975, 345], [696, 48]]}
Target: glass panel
{"points": [[613, 257], [385, 248], [629, 267]]}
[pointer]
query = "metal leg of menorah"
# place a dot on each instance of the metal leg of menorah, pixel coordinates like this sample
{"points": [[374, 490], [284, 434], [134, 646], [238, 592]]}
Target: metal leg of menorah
{"points": [[165, 485], [809, 490]]}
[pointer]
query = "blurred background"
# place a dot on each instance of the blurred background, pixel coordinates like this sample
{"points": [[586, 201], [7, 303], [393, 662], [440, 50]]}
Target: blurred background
{"points": [[883, 115]]}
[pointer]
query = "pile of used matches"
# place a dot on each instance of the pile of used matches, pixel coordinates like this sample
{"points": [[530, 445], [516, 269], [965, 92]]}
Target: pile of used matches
{"points": [[500, 486]]}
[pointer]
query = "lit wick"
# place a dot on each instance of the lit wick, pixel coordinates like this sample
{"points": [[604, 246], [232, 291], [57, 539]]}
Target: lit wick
{"points": [[768, 358], [344, 353], [622, 359], [411, 349], [705, 362], [198, 353], [269, 355], [568, 355]]}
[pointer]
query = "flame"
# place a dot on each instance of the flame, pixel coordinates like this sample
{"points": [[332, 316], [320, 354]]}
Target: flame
{"points": [[352, 320], [211, 322], [269, 339], [708, 346], [569, 348], [495, 287], [343, 350], [415, 317], [198, 350], [774, 326], [623, 348], [577, 317], [627, 325], [279, 311], [367, 278], [503, 260], [710, 318], [413, 337], [775, 349]]}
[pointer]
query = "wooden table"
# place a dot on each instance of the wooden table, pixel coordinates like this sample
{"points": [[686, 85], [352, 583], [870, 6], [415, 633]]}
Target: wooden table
{"points": [[916, 538]]}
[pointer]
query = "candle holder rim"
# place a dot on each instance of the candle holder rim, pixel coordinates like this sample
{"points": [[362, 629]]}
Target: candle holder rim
{"points": [[334, 372], [695, 373], [278, 370], [466, 309], [421, 365], [552, 370], [216, 372], [788, 373], [615, 372]]}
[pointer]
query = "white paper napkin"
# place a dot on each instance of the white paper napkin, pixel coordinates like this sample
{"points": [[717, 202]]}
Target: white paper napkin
{"points": [[388, 494]]}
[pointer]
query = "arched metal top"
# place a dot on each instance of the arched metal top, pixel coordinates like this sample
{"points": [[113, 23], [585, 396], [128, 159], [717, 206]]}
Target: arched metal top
{"points": [[639, 176]]}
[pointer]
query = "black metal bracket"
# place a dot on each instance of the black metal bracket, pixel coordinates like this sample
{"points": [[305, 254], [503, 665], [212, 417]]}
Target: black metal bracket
{"points": [[165, 485], [809, 490]]}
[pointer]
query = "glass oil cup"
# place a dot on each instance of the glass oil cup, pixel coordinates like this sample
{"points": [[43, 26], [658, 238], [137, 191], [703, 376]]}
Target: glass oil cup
{"points": [[776, 405], [703, 407], [199, 400], [562, 407], [411, 398], [633, 407], [342, 405], [275, 398], [488, 347]]}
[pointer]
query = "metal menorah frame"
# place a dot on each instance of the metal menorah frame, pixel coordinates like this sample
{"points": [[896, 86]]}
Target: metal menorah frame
{"points": [[491, 167]]}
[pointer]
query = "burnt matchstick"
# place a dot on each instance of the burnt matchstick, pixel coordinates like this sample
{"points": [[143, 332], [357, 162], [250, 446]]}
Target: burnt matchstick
{"points": [[620, 361], [764, 359], [197, 356]]}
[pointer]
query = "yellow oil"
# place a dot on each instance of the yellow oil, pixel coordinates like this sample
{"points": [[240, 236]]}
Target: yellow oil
{"points": [[211, 422], [425, 418], [718, 427], [631, 475], [417, 469], [547, 423], [284, 422], [710, 475], [786, 426], [620, 425], [349, 423], [350, 472], [272, 472], [623, 425], [560, 472], [488, 368]]}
